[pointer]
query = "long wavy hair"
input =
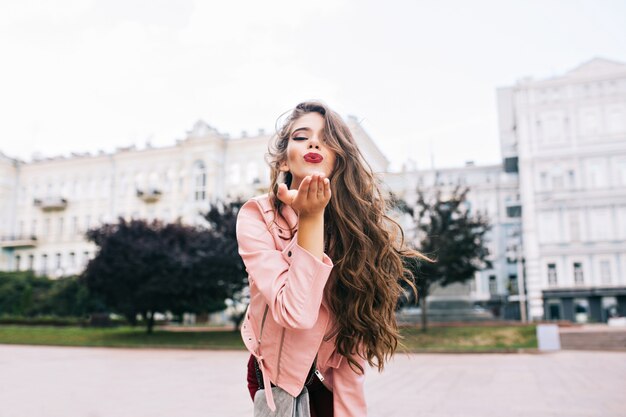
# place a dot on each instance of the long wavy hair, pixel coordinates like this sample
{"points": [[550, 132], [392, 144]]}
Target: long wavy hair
{"points": [[364, 243]]}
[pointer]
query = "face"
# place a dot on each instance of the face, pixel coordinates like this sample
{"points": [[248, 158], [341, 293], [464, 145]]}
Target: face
{"points": [[307, 152]]}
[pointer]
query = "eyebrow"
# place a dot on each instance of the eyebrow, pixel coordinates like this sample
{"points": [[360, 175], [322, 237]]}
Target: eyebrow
{"points": [[300, 128]]}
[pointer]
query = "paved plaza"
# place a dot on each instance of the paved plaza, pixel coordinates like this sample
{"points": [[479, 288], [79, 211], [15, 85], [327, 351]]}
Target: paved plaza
{"points": [[97, 382]]}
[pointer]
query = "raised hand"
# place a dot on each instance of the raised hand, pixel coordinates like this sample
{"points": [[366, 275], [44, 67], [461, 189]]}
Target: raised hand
{"points": [[310, 198]]}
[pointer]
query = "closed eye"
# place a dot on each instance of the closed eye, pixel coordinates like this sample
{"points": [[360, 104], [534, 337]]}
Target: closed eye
{"points": [[300, 138]]}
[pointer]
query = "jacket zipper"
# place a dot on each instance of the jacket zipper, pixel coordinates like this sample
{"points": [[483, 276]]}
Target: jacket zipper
{"points": [[319, 374], [315, 373]]}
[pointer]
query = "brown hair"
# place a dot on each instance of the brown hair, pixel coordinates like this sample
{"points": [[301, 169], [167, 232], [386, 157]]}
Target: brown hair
{"points": [[366, 245]]}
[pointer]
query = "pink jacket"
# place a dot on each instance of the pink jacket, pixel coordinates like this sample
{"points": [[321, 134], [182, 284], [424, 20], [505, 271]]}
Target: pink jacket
{"points": [[290, 280]]}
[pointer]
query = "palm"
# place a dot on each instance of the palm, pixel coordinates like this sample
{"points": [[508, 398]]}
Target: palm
{"points": [[311, 197]]}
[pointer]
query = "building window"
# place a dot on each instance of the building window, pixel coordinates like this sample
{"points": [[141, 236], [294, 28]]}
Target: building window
{"points": [[44, 264], [581, 310], [621, 177], [199, 181], [46, 227], [578, 273], [514, 211], [596, 173], [571, 175], [61, 226], [31, 262], [590, 121], [85, 257], [574, 227], [554, 310], [605, 272], [58, 261], [33, 228], [123, 188], [18, 261], [235, 174], [615, 120], [513, 288], [72, 260], [543, 180], [552, 275], [75, 225], [510, 164], [493, 285]]}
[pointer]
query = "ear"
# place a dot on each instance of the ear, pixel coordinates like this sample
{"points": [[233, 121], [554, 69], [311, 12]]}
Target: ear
{"points": [[283, 167]]}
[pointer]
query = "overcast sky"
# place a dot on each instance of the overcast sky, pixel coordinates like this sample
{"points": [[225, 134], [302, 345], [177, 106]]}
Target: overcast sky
{"points": [[421, 76]]}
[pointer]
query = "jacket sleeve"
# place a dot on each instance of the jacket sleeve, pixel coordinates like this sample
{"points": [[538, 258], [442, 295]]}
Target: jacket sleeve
{"points": [[348, 392], [291, 281]]}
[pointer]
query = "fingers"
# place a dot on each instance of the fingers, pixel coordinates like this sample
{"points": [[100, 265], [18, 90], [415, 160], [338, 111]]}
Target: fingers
{"points": [[320, 187], [326, 189], [313, 187], [305, 186], [312, 194]]}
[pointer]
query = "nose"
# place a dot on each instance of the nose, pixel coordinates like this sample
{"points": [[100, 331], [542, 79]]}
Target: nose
{"points": [[314, 142]]}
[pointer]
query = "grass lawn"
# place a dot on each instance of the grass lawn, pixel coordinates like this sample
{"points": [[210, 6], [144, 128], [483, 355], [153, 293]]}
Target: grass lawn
{"points": [[436, 339], [118, 337], [470, 338]]}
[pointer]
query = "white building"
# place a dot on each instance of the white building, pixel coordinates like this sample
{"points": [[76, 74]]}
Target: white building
{"points": [[47, 205], [567, 137]]}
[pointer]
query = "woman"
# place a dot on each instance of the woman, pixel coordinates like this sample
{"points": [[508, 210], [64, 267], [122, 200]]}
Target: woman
{"points": [[324, 263]]}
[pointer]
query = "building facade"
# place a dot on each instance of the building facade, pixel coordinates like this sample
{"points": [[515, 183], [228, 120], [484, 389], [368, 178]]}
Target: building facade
{"points": [[566, 137]]}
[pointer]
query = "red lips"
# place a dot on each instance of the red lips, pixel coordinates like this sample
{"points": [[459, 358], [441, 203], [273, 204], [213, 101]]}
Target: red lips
{"points": [[313, 157]]}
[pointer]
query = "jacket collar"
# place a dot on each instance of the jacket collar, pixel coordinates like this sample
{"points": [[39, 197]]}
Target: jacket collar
{"points": [[289, 213]]}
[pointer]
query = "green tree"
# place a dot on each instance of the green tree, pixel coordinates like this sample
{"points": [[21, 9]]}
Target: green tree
{"points": [[449, 233], [22, 293], [70, 297]]}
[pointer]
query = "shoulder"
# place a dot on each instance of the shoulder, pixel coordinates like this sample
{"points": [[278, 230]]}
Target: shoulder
{"points": [[262, 203], [254, 212], [262, 208]]}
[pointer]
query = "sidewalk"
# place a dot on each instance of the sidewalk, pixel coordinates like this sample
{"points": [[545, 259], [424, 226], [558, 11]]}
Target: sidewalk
{"points": [[97, 382], [592, 327]]}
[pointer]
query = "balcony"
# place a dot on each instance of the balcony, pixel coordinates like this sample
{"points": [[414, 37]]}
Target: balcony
{"points": [[149, 195], [50, 203], [511, 164], [15, 242], [513, 210]]}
